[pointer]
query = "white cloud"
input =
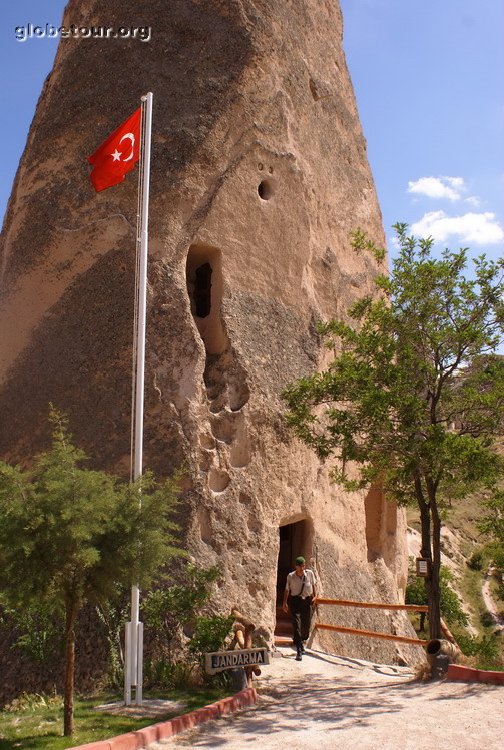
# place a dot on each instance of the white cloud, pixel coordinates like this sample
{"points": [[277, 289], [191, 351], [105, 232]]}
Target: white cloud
{"points": [[438, 187], [473, 200], [455, 182], [471, 228]]}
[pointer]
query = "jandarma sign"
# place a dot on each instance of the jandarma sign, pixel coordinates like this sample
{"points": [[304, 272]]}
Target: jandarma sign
{"points": [[220, 660]]}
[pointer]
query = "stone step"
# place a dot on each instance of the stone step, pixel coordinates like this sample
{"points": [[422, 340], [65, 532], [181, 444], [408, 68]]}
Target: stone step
{"points": [[287, 632], [283, 627], [281, 640]]}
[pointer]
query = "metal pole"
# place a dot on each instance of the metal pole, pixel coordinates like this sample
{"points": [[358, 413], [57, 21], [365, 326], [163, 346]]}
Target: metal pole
{"points": [[134, 655]]}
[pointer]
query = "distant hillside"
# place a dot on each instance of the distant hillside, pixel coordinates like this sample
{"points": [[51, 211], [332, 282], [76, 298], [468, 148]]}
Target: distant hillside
{"points": [[460, 543]]}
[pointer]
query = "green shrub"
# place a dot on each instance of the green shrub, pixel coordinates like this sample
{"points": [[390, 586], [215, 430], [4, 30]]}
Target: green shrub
{"points": [[209, 634], [495, 555], [170, 614], [39, 630], [476, 561], [500, 591], [484, 650], [451, 608], [166, 611], [113, 615], [487, 619], [168, 675]]}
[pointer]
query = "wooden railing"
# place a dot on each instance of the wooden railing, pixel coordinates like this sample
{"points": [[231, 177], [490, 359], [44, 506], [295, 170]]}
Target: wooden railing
{"points": [[371, 633]]}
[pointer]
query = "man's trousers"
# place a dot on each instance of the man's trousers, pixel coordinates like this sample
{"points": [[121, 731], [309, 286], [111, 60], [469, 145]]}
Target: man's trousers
{"points": [[300, 610]]}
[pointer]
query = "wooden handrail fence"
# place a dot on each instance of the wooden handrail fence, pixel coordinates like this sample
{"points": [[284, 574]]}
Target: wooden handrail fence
{"points": [[370, 633]]}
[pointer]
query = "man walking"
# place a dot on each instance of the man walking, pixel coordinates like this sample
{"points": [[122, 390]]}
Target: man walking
{"points": [[299, 594]]}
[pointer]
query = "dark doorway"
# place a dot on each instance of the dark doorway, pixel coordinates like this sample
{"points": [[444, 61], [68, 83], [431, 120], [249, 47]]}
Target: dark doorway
{"points": [[293, 542]]}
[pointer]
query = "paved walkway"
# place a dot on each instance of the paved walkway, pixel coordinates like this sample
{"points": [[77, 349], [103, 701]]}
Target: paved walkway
{"points": [[490, 603], [327, 702]]}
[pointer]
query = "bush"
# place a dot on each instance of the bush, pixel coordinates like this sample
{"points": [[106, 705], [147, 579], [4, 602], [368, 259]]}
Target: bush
{"points": [[39, 630], [167, 610], [500, 591], [484, 650], [168, 675], [171, 615], [209, 634], [495, 555], [113, 615], [451, 608], [476, 561], [487, 619]]}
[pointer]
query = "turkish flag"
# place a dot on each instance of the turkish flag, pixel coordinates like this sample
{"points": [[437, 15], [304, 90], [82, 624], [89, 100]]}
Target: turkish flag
{"points": [[117, 155]]}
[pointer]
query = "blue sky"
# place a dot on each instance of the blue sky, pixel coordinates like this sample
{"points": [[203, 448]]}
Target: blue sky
{"points": [[428, 80]]}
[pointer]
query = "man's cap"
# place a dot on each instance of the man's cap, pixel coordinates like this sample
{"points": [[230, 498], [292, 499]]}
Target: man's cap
{"points": [[300, 560]]}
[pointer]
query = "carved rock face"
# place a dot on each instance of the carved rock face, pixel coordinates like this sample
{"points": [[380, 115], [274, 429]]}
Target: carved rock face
{"points": [[259, 174]]}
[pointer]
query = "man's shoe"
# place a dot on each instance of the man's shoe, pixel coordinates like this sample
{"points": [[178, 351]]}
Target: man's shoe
{"points": [[298, 655], [303, 649]]}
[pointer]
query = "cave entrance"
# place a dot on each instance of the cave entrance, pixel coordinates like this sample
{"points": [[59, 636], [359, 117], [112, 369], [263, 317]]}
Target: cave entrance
{"points": [[295, 539]]}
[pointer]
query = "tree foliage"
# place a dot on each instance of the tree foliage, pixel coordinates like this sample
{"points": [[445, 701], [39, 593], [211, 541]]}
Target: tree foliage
{"points": [[451, 608], [180, 634], [414, 396], [169, 608], [493, 522], [70, 535]]}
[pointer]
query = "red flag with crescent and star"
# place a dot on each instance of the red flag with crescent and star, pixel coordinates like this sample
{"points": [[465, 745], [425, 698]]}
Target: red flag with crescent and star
{"points": [[117, 155]]}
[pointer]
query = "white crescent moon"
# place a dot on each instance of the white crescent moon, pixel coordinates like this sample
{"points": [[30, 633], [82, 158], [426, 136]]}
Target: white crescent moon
{"points": [[132, 139]]}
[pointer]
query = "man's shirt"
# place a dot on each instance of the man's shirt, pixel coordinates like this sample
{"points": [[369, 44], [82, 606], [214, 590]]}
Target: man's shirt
{"points": [[295, 583]]}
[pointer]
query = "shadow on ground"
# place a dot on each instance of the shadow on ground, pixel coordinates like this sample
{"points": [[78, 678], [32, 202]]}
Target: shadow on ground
{"points": [[314, 699]]}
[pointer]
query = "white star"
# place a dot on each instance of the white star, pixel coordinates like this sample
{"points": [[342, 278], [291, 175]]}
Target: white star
{"points": [[117, 155]]}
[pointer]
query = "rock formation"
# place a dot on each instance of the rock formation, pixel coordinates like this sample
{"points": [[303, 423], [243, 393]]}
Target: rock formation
{"points": [[259, 174]]}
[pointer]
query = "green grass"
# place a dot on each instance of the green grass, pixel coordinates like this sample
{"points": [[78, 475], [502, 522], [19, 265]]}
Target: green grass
{"points": [[38, 722], [469, 586]]}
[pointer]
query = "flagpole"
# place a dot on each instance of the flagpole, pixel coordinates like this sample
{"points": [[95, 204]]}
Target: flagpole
{"points": [[133, 660]]}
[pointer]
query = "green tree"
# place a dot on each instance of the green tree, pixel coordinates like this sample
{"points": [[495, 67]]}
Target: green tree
{"points": [[492, 524], [69, 535], [451, 608], [414, 396]]}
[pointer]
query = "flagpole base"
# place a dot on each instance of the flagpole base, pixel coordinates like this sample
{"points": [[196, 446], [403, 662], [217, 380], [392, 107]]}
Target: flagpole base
{"points": [[133, 664]]}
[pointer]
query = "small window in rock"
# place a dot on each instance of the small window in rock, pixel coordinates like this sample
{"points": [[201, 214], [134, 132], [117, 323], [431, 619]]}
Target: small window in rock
{"points": [[265, 190], [203, 290]]}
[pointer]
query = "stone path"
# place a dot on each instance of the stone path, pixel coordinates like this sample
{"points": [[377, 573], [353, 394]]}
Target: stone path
{"points": [[490, 603], [327, 702]]}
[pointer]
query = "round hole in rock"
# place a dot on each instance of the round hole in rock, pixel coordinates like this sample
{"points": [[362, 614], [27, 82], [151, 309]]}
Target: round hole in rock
{"points": [[266, 190], [218, 480]]}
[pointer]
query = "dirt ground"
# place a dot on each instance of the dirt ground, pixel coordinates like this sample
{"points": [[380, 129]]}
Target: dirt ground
{"points": [[327, 702]]}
